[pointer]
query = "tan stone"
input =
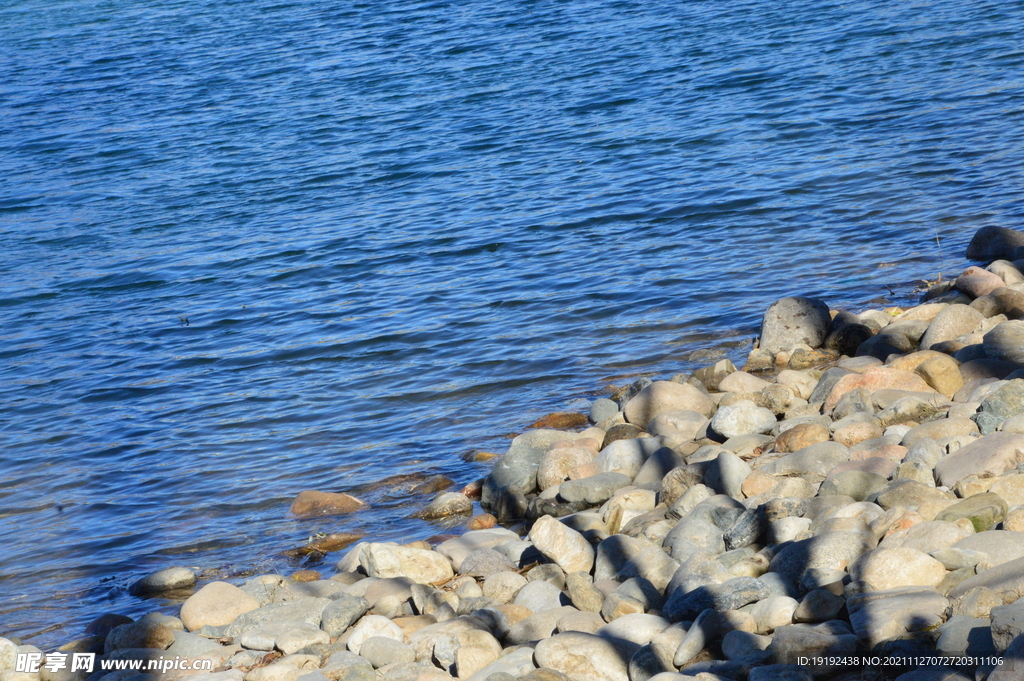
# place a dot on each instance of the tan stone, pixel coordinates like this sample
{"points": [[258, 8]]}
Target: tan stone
{"points": [[1014, 520], [742, 382], [758, 482], [561, 420], [800, 382], [665, 396], [565, 463], [924, 313], [911, 361], [892, 452], [942, 373], [939, 429], [1010, 488], [800, 436], [858, 431], [977, 282], [893, 568], [216, 604], [878, 378]]}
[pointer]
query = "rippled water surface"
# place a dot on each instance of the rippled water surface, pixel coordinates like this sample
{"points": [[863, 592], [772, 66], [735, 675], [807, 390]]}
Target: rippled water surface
{"points": [[251, 248]]}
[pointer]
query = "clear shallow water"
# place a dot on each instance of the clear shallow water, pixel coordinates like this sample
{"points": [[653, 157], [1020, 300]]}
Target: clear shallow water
{"points": [[399, 232]]}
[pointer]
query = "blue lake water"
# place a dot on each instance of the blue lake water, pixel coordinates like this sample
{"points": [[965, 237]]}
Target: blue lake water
{"points": [[400, 231]]}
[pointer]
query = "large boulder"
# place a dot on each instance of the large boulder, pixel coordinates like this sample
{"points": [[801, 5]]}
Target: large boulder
{"points": [[790, 322], [994, 243], [987, 457]]}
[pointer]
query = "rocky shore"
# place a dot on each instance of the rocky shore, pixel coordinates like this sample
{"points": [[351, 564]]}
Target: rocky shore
{"points": [[848, 505]]}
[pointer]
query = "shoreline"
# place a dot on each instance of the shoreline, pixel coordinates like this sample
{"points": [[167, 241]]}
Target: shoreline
{"points": [[724, 522]]}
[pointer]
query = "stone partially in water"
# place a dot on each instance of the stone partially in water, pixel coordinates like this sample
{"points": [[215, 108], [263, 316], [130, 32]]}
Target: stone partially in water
{"points": [[168, 579], [994, 243], [445, 505], [311, 503], [561, 420]]}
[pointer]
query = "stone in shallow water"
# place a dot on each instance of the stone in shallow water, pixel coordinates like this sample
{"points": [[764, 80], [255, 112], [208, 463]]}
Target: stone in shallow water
{"points": [[164, 580], [994, 243], [312, 503], [445, 505]]}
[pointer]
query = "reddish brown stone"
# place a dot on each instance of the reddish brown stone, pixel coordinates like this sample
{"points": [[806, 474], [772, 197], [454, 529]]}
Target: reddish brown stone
{"points": [[561, 419], [474, 489], [484, 521], [312, 503]]}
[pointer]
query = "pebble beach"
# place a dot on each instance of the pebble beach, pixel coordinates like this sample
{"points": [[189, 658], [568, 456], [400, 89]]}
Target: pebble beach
{"points": [[849, 504]]}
